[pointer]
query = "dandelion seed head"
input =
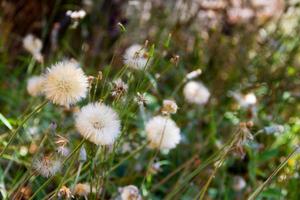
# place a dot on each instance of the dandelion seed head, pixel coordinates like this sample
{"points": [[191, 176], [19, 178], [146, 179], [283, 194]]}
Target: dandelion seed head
{"points": [[135, 57], [163, 133], [65, 192], [119, 88], [98, 123], [47, 166], [65, 83], [196, 92], [82, 189], [35, 85], [130, 192], [34, 46], [169, 107]]}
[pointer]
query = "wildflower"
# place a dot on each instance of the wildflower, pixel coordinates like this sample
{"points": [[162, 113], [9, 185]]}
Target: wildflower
{"points": [[275, 128], [169, 107], [135, 57], [119, 88], [155, 168], [243, 136], [61, 143], [141, 99], [65, 192], [162, 132], [193, 74], [34, 46], [76, 15], [47, 166], [196, 92], [82, 189], [82, 155], [239, 183], [65, 83], [98, 123], [25, 192], [245, 101], [130, 192], [35, 85]]}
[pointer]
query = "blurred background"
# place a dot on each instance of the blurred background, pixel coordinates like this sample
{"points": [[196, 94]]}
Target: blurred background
{"points": [[243, 47]]}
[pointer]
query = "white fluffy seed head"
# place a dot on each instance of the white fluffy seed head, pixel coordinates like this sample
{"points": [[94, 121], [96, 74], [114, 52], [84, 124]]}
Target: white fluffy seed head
{"points": [[196, 93], [130, 192], [65, 83], [135, 57], [47, 166], [163, 133], [35, 85], [34, 46], [98, 123], [169, 107]]}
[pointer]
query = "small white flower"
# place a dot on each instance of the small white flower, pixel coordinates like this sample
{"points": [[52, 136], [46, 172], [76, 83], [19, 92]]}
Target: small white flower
{"points": [[35, 85], [34, 46], [169, 107], [47, 166], [275, 128], [98, 123], [65, 83], [196, 92], [135, 57], [245, 101], [163, 133], [239, 183], [119, 88], [130, 192], [193, 74], [76, 15]]}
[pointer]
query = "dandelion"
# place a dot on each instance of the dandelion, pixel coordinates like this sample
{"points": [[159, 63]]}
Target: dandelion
{"points": [[169, 107], [141, 99], [65, 83], [82, 189], [119, 88], [65, 192], [98, 123], [47, 166], [245, 101], [34, 46], [136, 57], [275, 128], [196, 92], [130, 192], [239, 183], [193, 74], [163, 133], [35, 85]]}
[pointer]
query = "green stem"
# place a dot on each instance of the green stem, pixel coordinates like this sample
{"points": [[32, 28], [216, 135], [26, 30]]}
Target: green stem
{"points": [[14, 133], [274, 173]]}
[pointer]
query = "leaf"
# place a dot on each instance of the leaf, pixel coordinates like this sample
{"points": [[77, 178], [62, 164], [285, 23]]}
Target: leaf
{"points": [[5, 122]]}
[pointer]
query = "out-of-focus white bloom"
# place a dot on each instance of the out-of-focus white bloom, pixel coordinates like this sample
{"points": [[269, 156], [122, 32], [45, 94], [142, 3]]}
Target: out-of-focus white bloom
{"points": [[34, 46], [163, 133], [245, 101], [47, 166], [155, 168], [238, 183], [196, 92], [80, 14], [274, 129], [35, 85], [169, 107], [65, 83], [98, 123], [193, 74], [239, 15], [141, 99], [135, 57], [82, 155], [130, 192]]}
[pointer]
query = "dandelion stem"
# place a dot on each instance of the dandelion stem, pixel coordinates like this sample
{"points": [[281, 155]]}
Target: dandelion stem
{"points": [[274, 173], [14, 133]]}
